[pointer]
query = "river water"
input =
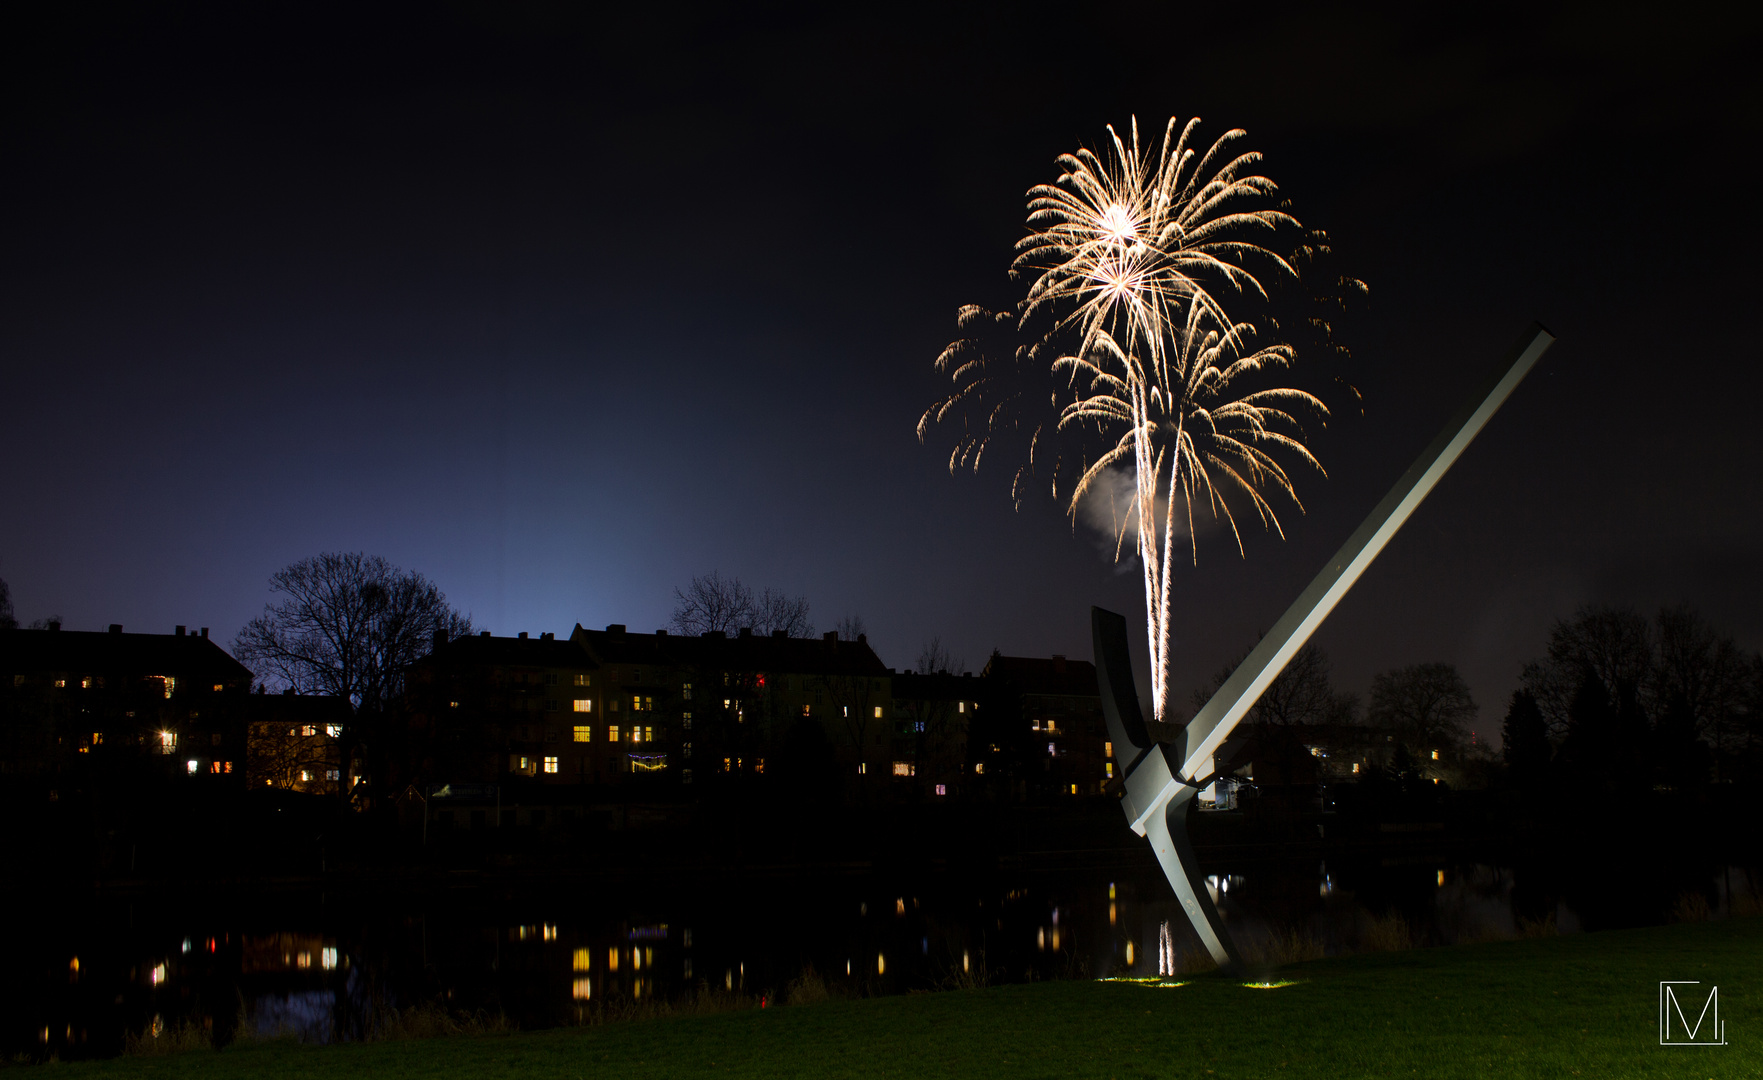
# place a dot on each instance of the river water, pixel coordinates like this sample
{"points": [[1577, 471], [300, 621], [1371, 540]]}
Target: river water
{"points": [[318, 962]]}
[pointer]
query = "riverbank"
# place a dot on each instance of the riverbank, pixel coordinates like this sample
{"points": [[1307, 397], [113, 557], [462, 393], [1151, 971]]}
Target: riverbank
{"points": [[1579, 1005]]}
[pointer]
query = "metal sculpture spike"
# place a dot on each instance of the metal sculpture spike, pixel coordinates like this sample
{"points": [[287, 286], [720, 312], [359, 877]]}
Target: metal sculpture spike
{"points": [[1167, 767]]}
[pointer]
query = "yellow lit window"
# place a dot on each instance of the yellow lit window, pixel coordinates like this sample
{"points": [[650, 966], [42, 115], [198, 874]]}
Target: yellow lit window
{"points": [[61, 684], [309, 730], [583, 989], [685, 691], [902, 768], [1108, 768], [97, 738], [612, 733], [1355, 766], [878, 712], [612, 959], [583, 679], [760, 767], [862, 768], [1074, 789], [584, 960], [961, 706], [640, 703], [979, 768], [584, 733], [86, 683], [218, 687], [1435, 755], [334, 731], [583, 704], [550, 764], [1107, 749]]}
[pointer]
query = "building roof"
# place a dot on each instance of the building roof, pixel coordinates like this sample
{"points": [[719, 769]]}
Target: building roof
{"points": [[939, 686], [803, 656], [24, 652], [1045, 675], [542, 651]]}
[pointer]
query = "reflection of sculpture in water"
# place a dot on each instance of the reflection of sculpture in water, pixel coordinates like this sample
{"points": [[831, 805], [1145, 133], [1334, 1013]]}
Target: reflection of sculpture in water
{"points": [[1166, 765], [1165, 950]]}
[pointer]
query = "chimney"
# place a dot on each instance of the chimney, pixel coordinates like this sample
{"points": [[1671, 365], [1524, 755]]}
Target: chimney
{"points": [[780, 634], [116, 628], [483, 633], [615, 631], [660, 633], [746, 631], [180, 630], [862, 639], [205, 633], [831, 637], [54, 624], [523, 635], [547, 636]]}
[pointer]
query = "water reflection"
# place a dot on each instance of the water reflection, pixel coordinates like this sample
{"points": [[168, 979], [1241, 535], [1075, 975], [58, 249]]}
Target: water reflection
{"points": [[327, 966]]}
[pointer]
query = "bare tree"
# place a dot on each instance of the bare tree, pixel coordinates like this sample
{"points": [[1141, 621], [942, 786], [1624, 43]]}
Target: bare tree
{"points": [[7, 620], [851, 628], [774, 611], [348, 625], [712, 602], [1613, 643], [1300, 694], [934, 659], [1427, 705]]}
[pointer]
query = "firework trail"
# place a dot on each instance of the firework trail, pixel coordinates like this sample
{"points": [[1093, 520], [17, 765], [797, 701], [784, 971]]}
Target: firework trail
{"points": [[1133, 361]]}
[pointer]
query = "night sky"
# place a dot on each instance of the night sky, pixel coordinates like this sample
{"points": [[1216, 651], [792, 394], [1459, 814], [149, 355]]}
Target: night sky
{"points": [[561, 308]]}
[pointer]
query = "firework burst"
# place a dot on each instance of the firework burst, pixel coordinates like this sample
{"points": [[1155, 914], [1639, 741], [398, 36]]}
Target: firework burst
{"points": [[1133, 257]]}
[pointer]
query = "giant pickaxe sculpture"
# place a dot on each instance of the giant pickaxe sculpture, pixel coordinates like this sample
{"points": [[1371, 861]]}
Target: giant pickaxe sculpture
{"points": [[1166, 768]]}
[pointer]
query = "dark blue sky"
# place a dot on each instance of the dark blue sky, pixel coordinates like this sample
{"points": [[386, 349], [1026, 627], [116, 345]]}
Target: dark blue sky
{"points": [[561, 311]]}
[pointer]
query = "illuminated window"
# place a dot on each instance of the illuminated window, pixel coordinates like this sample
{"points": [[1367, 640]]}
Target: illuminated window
{"points": [[612, 733], [86, 683], [685, 720], [1051, 752], [452, 704], [878, 712], [1108, 768], [168, 741], [862, 768], [612, 959], [97, 738], [584, 733], [686, 750], [582, 680], [648, 734], [583, 989], [902, 768], [1074, 789], [218, 687], [1107, 749], [685, 691], [308, 730], [171, 684], [942, 790], [550, 764], [640, 703], [583, 704], [192, 766], [728, 764], [214, 767], [61, 684], [583, 960], [1355, 766], [226, 766], [1435, 755], [979, 768], [305, 776], [760, 767], [333, 774], [961, 706]]}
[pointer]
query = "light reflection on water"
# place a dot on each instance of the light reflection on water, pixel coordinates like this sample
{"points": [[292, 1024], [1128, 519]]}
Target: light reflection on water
{"points": [[326, 966]]}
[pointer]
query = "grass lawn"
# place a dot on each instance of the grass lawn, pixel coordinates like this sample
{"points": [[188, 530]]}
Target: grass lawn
{"points": [[1584, 1005]]}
